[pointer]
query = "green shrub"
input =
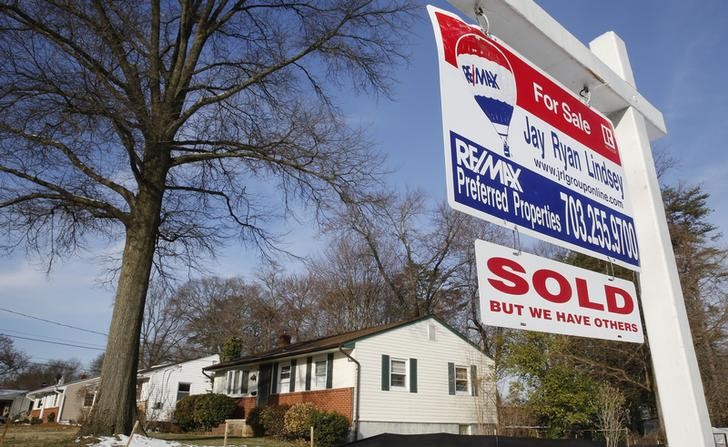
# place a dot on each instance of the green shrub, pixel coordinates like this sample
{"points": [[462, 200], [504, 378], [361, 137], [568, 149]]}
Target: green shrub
{"points": [[298, 420], [35, 420], [273, 419], [330, 428], [51, 417], [211, 410], [184, 412], [252, 419]]}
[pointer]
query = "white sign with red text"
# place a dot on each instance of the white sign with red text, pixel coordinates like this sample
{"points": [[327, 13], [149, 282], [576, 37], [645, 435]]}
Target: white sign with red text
{"points": [[523, 150], [524, 291]]}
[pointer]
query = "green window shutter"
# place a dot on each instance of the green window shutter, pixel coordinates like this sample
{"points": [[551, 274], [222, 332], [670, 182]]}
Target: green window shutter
{"points": [[292, 383], [274, 382], [451, 378], [330, 370], [309, 363], [385, 373], [473, 380], [244, 385], [413, 375]]}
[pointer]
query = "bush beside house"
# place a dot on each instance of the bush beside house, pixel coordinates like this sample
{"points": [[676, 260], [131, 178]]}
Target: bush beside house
{"points": [[203, 411], [294, 422]]}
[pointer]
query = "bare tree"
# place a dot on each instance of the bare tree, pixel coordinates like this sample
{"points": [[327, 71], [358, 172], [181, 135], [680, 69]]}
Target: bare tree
{"points": [[349, 288], [161, 335], [611, 414], [37, 375], [12, 361], [163, 122], [415, 259]]}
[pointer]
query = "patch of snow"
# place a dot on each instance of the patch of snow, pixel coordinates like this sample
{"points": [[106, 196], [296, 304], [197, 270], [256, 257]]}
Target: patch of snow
{"points": [[138, 441]]}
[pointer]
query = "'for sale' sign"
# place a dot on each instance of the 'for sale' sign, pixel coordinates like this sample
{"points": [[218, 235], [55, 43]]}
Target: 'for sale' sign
{"points": [[524, 291], [520, 149]]}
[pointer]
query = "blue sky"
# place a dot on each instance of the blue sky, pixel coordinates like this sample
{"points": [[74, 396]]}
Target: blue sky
{"points": [[678, 55]]}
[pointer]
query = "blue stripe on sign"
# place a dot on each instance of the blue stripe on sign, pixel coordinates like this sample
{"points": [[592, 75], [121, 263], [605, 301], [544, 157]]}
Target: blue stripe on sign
{"points": [[539, 193], [497, 111]]}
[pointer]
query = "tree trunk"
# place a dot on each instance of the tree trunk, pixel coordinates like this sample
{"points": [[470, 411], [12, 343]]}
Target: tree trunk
{"points": [[114, 410]]}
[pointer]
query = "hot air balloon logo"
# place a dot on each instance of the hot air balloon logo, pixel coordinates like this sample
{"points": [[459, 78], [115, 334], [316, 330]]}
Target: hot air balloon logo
{"points": [[489, 74]]}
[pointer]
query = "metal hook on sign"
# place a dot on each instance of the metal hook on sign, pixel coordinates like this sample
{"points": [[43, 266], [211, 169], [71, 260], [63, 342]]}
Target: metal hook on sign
{"points": [[610, 266], [516, 241], [482, 19], [585, 94]]}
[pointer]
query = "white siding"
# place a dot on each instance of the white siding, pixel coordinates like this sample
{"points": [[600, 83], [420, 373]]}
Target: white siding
{"points": [[432, 402], [160, 390]]}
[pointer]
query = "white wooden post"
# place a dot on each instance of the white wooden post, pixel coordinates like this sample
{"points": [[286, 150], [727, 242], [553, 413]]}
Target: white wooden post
{"points": [[133, 431], [682, 401]]}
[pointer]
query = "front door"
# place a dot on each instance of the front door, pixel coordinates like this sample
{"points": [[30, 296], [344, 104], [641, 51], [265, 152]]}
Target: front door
{"points": [[264, 382]]}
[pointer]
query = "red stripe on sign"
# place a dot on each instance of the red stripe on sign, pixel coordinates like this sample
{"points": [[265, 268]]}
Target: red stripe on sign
{"points": [[539, 95]]}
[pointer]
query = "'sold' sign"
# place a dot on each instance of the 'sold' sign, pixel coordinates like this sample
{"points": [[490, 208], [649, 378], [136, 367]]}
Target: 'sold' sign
{"points": [[522, 150], [524, 291]]}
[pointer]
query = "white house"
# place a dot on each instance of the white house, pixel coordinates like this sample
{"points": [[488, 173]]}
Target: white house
{"points": [[158, 390], [14, 403], [160, 387], [417, 376]]}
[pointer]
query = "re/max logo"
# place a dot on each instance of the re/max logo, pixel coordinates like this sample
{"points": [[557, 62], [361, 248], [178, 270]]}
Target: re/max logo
{"points": [[482, 162], [480, 76]]}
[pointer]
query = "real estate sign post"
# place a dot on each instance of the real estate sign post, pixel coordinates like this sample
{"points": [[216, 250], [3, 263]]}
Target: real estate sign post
{"points": [[521, 151]]}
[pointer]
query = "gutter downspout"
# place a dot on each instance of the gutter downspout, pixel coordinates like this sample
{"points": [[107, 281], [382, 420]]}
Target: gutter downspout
{"points": [[357, 394], [211, 379]]}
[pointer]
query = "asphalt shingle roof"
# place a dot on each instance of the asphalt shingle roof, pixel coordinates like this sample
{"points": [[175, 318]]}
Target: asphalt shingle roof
{"points": [[318, 344]]}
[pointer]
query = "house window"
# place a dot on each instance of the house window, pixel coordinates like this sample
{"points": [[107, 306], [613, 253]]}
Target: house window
{"points": [[38, 403], [461, 379], [183, 390], [88, 399], [232, 382], [236, 382], [398, 375], [285, 378], [229, 382], [320, 382], [432, 332]]}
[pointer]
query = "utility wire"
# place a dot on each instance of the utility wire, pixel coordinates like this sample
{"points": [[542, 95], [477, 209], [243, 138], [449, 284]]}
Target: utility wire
{"points": [[49, 338], [52, 342], [54, 322]]}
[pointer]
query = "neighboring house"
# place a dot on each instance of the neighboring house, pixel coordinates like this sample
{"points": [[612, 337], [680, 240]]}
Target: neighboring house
{"points": [[160, 387], [417, 376], [158, 390], [68, 402], [13, 403]]}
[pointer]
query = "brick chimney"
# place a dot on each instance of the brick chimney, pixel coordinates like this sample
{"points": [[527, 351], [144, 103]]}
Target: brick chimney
{"points": [[283, 340]]}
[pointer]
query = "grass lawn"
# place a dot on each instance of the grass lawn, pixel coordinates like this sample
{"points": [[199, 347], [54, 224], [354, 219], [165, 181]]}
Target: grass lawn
{"points": [[42, 435], [51, 435], [193, 439]]}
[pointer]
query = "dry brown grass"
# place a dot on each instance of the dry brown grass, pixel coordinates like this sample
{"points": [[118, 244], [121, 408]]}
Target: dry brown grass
{"points": [[54, 435]]}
